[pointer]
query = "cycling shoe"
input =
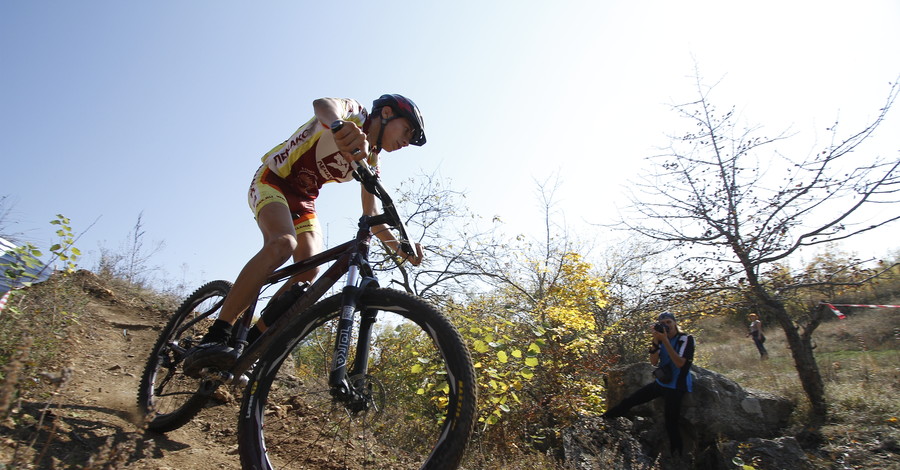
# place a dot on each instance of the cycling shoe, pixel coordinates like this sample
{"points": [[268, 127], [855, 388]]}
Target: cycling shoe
{"points": [[213, 355]]}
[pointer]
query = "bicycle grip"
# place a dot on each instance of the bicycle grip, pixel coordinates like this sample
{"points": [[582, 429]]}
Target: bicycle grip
{"points": [[336, 126]]}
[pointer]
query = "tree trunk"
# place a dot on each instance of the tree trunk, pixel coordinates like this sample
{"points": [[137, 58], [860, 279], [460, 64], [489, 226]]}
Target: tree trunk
{"points": [[805, 362]]}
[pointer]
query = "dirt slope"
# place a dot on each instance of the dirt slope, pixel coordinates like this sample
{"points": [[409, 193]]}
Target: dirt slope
{"points": [[94, 413]]}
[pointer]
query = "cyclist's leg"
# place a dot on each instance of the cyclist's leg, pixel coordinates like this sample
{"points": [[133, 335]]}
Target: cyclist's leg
{"points": [[279, 243], [274, 219], [309, 242]]}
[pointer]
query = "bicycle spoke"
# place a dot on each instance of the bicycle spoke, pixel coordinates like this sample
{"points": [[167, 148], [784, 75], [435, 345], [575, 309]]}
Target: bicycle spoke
{"points": [[169, 397], [394, 418]]}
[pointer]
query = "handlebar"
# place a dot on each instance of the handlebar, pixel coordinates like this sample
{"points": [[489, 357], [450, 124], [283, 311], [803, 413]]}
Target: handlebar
{"points": [[363, 173]]}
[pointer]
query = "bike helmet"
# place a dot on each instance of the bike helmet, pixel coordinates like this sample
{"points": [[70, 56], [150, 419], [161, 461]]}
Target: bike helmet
{"points": [[403, 107]]}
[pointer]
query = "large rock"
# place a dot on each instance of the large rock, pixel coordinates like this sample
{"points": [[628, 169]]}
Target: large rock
{"points": [[594, 443], [783, 452], [718, 408], [622, 444], [715, 416]]}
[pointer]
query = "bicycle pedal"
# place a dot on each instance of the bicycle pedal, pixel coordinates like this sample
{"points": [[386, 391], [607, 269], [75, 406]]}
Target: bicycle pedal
{"points": [[241, 381], [208, 373]]}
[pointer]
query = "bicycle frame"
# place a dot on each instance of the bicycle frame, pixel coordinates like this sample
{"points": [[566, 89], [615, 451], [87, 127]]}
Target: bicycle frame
{"points": [[350, 258]]}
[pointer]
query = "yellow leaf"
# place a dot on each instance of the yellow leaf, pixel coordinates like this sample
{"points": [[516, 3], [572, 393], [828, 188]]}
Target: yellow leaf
{"points": [[501, 355]]}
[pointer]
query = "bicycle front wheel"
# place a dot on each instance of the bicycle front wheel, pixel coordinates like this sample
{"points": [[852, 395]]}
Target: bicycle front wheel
{"points": [[414, 408], [166, 395]]}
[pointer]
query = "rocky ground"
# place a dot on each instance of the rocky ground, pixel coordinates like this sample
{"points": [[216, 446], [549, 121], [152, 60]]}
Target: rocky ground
{"points": [[85, 414]]}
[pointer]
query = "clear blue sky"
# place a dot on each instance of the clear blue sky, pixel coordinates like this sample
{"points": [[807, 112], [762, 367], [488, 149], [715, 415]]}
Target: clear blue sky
{"points": [[110, 108]]}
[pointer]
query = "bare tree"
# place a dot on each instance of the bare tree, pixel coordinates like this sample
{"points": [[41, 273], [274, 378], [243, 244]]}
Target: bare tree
{"points": [[723, 195], [461, 251], [132, 262], [468, 254], [638, 285]]}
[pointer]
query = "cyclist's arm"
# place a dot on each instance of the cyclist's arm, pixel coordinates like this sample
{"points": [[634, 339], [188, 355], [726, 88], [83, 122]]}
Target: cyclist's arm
{"points": [[328, 110], [383, 231], [350, 137]]}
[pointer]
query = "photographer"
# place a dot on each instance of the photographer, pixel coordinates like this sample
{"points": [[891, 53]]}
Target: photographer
{"points": [[673, 352]]}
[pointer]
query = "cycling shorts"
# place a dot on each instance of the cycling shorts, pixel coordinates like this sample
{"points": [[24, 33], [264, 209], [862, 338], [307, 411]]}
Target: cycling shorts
{"points": [[267, 188]]}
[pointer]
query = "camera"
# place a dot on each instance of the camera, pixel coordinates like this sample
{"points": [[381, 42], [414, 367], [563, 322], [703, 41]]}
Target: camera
{"points": [[661, 327]]}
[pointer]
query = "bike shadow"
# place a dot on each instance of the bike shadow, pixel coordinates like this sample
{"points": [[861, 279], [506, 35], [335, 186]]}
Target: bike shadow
{"points": [[74, 434]]}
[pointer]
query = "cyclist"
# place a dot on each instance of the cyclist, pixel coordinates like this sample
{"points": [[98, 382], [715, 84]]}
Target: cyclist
{"points": [[283, 194]]}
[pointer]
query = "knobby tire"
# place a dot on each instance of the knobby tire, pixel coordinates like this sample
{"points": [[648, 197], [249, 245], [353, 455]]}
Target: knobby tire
{"points": [[168, 398], [420, 388]]}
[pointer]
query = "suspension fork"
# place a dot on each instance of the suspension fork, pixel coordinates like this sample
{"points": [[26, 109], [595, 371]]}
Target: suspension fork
{"points": [[361, 361], [337, 380], [337, 376], [359, 277]]}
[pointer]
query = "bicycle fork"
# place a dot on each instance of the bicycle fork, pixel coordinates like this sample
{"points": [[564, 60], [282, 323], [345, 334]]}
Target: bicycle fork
{"points": [[352, 394]]}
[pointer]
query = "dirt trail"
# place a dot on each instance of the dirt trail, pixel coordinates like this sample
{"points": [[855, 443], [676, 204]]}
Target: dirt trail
{"points": [[98, 402]]}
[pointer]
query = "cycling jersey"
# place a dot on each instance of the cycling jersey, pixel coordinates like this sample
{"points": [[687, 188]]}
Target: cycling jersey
{"points": [[310, 158], [294, 171]]}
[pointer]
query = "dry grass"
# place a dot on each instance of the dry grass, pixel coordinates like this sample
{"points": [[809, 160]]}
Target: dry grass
{"points": [[857, 354], [723, 346], [43, 313], [859, 359]]}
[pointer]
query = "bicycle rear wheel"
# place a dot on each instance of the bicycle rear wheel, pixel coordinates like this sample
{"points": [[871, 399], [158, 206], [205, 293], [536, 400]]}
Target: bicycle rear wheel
{"points": [[166, 395], [417, 405]]}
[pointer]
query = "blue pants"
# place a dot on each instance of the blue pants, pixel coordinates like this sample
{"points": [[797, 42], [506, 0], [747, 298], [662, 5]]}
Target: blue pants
{"points": [[672, 413]]}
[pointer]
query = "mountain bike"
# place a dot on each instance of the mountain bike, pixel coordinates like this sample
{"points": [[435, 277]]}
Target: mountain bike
{"points": [[367, 378]]}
